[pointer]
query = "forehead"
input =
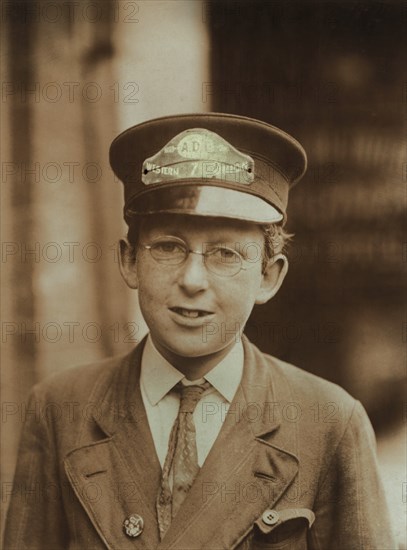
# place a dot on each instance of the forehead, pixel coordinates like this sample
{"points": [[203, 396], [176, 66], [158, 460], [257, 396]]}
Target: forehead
{"points": [[200, 226]]}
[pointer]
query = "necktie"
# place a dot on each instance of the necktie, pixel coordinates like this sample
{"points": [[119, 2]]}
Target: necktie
{"points": [[182, 457]]}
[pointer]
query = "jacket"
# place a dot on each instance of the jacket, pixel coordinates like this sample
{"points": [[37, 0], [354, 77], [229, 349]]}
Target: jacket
{"points": [[293, 467]]}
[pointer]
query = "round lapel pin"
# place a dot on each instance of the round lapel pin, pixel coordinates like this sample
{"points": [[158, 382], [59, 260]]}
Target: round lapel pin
{"points": [[133, 525]]}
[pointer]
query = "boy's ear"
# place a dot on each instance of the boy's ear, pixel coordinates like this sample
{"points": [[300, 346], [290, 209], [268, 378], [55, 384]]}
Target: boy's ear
{"points": [[128, 263], [273, 277]]}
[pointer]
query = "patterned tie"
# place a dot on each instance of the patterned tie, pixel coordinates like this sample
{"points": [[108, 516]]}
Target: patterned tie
{"points": [[182, 456]]}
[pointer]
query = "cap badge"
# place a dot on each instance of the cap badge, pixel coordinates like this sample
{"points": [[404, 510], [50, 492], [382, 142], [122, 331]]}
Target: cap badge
{"points": [[198, 154]]}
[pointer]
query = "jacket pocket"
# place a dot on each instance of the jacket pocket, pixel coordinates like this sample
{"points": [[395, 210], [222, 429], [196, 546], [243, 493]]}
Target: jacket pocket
{"points": [[281, 529]]}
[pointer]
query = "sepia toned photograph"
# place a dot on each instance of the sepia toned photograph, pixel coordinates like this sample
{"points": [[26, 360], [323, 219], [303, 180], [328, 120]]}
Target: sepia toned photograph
{"points": [[203, 275]]}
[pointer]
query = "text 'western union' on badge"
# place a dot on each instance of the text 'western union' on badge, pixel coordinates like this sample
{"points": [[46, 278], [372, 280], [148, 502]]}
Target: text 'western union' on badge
{"points": [[198, 154]]}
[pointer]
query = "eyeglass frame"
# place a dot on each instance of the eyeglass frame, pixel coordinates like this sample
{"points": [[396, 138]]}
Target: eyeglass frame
{"points": [[204, 255]]}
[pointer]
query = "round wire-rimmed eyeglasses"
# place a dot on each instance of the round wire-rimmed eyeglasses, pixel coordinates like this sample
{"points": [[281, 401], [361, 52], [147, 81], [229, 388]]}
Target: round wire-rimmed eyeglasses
{"points": [[219, 259]]}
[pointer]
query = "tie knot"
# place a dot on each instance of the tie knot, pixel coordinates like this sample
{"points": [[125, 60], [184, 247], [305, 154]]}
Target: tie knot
{"points": [[190, 395]]}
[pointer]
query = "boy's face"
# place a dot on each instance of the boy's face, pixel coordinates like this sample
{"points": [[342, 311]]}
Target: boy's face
{"points": [[190, 311]]}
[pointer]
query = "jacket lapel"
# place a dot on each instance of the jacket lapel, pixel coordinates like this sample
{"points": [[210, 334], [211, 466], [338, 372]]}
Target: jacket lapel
{"points": [[245, 472], [118, 476]]}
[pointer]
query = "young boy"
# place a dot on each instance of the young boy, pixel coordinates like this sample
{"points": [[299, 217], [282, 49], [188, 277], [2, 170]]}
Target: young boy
{"points": [[197, 440]]}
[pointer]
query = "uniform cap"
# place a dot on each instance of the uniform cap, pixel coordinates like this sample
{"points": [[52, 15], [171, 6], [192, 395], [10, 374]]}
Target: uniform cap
{"points": [[208, 164]]}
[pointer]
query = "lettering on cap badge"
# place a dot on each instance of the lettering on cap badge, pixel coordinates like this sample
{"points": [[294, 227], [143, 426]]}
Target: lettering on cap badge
{"points": [[202, 146]]}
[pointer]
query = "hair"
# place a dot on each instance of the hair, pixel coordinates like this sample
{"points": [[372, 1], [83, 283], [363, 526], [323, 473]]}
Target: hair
{"points": [[276, 239]]}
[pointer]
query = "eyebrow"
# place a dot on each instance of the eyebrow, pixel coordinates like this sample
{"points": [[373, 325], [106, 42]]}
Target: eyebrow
{"points": [[219, 239]]}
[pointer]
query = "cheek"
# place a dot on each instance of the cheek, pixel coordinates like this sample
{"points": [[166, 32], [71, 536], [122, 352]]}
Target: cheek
{"points": [[239, 297], [150, 306], [148, 272], [251, 281], [155, 286], [150, 285]]}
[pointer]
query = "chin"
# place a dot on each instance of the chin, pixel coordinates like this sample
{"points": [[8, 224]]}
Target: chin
{"points": [[191, 347], [189, 350]]}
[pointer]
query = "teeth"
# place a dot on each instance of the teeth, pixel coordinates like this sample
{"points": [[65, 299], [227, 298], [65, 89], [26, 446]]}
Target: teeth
{"points": [[188, 313], [191, 313]]}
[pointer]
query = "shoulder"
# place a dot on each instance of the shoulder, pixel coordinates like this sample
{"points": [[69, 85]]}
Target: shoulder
{"points": [[313, 395], [82, 382], [307, 384], [299, 380]]}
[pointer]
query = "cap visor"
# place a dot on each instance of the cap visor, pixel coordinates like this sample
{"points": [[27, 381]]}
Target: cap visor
{"points": [[204, 200]]}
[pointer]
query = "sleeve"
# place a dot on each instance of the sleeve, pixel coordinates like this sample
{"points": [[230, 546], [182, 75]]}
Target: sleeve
{"points": [[35, 518], [351, 509]]}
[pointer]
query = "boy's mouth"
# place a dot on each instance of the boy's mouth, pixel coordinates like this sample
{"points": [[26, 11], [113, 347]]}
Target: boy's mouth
{"points": [[190, 313]]}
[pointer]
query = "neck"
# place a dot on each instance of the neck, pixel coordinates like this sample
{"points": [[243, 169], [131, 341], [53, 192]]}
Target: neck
{"points": [[193, 368]]}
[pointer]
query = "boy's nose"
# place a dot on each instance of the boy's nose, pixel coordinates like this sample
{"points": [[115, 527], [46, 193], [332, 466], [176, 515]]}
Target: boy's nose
{"points": [[193, 275]]}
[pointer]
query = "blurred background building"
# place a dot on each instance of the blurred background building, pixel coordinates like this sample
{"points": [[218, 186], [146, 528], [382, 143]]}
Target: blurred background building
{"points": [[332, 74]]}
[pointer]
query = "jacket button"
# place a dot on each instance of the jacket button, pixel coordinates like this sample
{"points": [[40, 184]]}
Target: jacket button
{"points": [[133, 526], [270, 517]]}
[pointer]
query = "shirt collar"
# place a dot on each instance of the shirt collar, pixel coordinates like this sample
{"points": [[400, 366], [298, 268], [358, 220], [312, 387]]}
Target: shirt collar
{"points": [[158, 376]]}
